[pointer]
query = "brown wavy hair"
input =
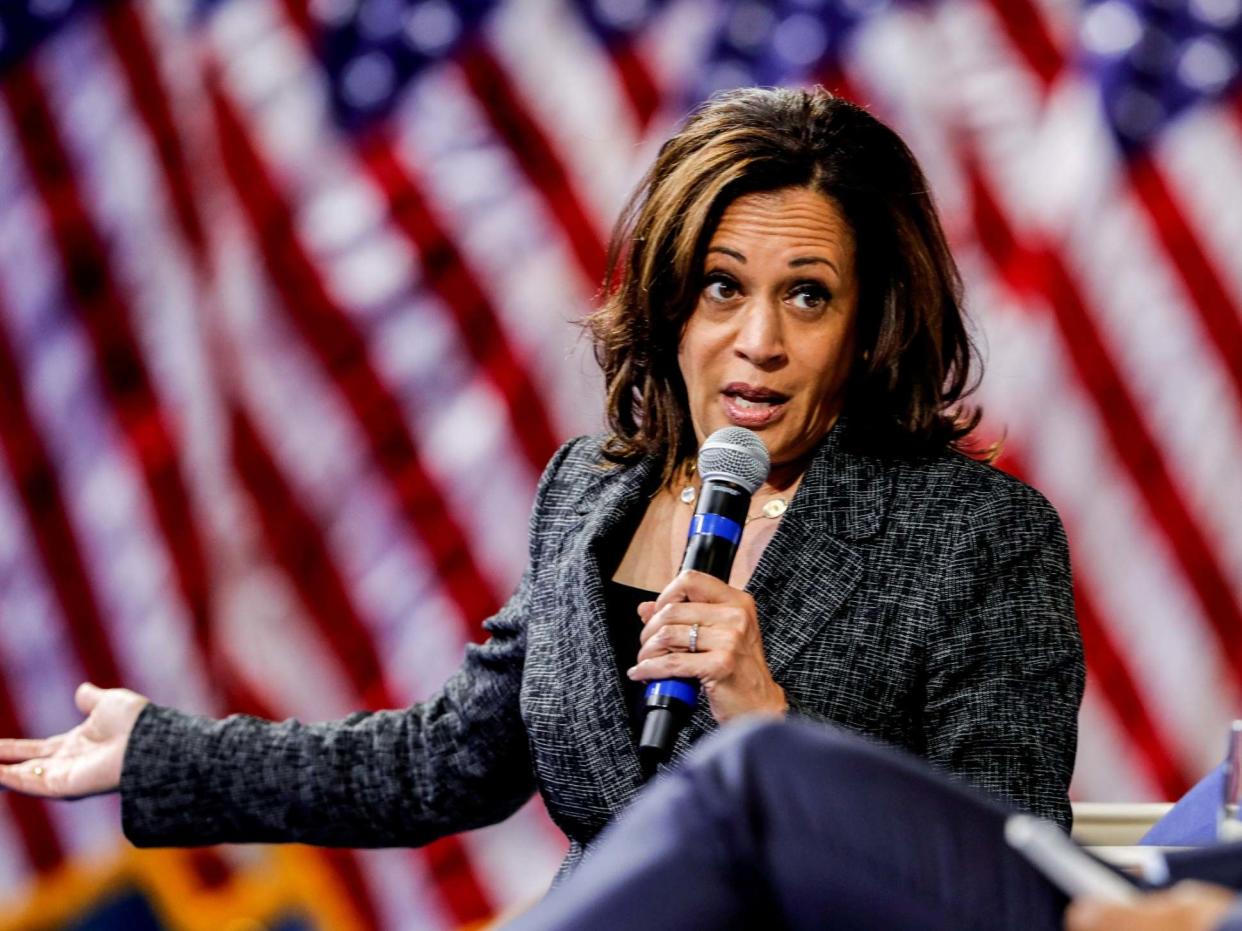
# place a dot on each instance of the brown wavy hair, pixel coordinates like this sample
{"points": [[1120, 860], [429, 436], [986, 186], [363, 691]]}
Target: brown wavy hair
{"points": [[913, 353]]}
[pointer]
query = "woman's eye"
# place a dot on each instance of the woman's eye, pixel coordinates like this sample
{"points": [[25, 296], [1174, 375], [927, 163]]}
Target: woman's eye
{"points": [[720, 289], [810, 296]]}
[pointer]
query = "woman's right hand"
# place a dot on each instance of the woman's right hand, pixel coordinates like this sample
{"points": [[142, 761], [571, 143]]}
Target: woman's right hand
{"points": [[81, 762]]}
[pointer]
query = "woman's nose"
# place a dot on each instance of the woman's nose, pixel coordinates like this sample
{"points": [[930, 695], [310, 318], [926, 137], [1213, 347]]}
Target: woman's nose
{"points": [[760, 337]]}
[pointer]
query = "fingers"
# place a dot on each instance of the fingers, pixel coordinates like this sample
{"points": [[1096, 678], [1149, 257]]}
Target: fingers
{"points": [[736, 615], [675, 638], [18, 750], [30, 778], [701, 587], [87, 697], [714, 665]]}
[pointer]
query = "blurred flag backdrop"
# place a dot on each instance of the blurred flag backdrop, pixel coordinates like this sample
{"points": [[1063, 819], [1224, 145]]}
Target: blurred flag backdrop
{"points": [[287, 304]]}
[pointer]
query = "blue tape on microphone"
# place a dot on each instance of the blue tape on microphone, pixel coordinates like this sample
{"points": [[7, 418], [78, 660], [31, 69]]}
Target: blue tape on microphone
{"points": [[684, 691], [715, 525]]}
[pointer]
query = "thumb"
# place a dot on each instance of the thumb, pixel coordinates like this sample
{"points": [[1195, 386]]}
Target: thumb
{"points": [[87, 697]]}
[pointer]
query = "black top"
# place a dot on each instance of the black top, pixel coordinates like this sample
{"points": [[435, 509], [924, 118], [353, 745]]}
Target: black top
{"points": [[624, 626]]}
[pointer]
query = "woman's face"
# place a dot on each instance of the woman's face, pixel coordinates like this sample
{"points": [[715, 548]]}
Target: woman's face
{"points": [[769, 343]]}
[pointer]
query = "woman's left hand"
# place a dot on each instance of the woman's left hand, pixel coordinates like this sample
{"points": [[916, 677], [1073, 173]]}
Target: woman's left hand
{"points": [[729, 659]]}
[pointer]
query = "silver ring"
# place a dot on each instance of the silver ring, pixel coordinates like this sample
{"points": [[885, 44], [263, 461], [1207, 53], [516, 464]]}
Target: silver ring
{"points": [[694, 638]]}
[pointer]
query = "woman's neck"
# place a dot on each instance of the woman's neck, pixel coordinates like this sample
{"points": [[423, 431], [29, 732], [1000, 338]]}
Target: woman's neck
{"points": [[782, 481], [784, 478]]}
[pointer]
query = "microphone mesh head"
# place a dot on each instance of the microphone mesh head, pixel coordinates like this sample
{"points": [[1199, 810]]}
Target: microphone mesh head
{"points": [[737, 455]]}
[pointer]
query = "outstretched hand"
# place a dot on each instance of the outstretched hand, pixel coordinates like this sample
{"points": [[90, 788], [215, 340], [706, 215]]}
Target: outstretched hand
{"points": [[80, 762]]}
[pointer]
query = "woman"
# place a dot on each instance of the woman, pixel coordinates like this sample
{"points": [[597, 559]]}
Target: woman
{"points": [[782, 268]]}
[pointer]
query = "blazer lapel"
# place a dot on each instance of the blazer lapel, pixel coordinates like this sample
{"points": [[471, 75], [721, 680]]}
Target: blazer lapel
{"points": [[611, 502], [814, 560]]}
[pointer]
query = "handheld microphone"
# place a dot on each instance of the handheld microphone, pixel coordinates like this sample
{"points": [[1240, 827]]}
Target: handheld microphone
{"points": [[733, 463]]}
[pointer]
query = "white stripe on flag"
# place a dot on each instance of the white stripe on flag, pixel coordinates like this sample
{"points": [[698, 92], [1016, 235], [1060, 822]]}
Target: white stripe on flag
{"points": [[503, 231], [1109, 768], [1122, 559], [1201, 153], [563, 75], [1168, 363]]}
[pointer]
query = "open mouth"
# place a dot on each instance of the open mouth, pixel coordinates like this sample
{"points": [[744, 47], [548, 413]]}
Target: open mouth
{"points": [[751, 405], [750, 396]]}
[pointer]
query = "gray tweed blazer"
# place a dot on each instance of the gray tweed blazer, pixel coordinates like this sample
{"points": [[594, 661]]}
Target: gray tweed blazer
{"points": [[925, 603]]}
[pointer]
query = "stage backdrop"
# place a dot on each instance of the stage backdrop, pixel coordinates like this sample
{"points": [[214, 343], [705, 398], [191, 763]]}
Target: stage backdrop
{"points": [[288, 293]]}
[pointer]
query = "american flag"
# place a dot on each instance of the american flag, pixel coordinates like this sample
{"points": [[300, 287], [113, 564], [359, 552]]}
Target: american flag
{"points": [[287, 304]]}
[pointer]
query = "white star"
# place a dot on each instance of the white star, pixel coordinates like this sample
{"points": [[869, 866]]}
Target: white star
{"points": [[432, 27], [1206, 64], [800, 39], [368, 80], [1111, 29]]}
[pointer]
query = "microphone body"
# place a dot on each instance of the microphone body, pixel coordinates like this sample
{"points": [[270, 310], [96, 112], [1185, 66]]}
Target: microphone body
{"points": [[716, 529], [733, 463]]}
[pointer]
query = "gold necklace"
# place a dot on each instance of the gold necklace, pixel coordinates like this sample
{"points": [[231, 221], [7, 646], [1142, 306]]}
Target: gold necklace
{"points": [[772, 508]]}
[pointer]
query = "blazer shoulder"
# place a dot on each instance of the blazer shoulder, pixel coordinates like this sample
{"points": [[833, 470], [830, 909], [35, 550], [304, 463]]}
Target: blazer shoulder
{"points": [[972, 487], [576, 470], [579, 462]]}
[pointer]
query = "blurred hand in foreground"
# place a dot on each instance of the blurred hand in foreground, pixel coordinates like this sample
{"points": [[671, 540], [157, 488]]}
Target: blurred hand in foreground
{"points": [[80, 762], [1187, 906]]}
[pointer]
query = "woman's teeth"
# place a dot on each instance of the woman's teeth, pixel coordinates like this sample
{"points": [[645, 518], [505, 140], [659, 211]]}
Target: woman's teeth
{"points": [[746, 405]]}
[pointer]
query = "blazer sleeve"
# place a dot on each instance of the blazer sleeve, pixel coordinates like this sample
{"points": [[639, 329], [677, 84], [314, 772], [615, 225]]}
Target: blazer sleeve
{"points": [[387, 778], [1005, 667]]}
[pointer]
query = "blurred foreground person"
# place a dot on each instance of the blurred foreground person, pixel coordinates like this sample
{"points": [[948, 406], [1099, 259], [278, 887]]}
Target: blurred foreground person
{"points": [[782, 269], [789, 825]]}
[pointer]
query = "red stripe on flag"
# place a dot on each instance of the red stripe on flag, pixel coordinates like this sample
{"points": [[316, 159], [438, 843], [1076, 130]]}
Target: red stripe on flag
{"points": [[1026, 29], [446, 272], [119, 363], [294, 539], [34, 477], [89, 283], [637, 81], [1110, 670], [536, 156], [342, 351], [1220, 313], [1041, 272], [299, 548], [344, 864], [526, 142], [131, 43], [40, 839], [128, 35]]}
